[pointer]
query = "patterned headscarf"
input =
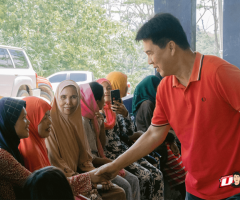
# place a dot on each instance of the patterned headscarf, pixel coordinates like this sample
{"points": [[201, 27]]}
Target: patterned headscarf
{"points": [[10, 110]]}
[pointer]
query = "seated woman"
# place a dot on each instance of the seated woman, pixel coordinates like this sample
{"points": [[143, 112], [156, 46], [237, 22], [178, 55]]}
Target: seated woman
{"points": [[143, 103], [14, 126], [119, 131], [92, 101], [143, 106], [67, 145], [33, 149]]}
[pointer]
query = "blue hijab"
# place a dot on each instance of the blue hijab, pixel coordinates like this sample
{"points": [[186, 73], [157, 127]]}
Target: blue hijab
{"points": [[10, 110]]}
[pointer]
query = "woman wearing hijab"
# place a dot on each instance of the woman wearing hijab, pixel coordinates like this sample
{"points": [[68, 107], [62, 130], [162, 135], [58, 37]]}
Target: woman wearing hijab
{"points": [[33, 149], [143, 103], [13, 127], [92, 101], [120, 132], [67, 145]]}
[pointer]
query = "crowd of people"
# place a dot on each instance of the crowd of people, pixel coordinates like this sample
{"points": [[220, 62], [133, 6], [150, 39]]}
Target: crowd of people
{"points": [[84, 146], [45, 147]]}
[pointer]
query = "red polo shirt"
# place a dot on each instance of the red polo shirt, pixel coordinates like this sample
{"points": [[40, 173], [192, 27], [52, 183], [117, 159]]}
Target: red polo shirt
{"points": [[205, 116]]}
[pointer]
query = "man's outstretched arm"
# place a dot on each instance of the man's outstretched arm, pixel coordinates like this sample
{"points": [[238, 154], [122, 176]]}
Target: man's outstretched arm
{"points": [[144, 145]]}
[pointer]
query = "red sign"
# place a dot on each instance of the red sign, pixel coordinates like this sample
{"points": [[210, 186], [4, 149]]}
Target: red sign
{"points": [[226, 181]]}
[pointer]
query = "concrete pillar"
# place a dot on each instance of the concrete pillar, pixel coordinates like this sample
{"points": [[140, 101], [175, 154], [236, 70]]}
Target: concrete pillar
{"points": [[231, 32], [185, 11]]}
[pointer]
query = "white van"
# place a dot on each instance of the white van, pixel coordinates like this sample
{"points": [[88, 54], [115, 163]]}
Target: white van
{"points": [[17, 77], [80, 77]]}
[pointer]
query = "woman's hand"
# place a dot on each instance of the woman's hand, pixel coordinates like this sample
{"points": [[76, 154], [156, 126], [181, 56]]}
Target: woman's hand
{"points": [[119, 108], [107, 185], [99, 116]]}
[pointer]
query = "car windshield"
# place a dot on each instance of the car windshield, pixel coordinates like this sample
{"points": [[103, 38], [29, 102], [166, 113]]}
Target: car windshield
{"points": [[19, 59], [5, 60], [78, 77]]}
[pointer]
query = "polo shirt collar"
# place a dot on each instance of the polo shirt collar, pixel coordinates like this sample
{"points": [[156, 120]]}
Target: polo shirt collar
{"points": [[196, 71]]}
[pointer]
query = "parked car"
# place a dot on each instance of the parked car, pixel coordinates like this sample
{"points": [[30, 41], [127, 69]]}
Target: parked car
{"points": [[17, 77], [80, 77], [46, 88]]}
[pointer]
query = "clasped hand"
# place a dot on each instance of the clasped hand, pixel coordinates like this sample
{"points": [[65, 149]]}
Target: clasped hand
{"points": [[98, 179]]}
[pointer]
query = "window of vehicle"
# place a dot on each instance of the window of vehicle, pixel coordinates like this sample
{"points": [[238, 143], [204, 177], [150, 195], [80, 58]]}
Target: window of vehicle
{"points": [[5, 60], [58, 78], [78, 77], [19, 59]]}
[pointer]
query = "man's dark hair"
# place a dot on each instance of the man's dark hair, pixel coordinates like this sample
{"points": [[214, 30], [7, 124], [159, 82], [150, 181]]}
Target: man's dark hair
{"points": [[236, 173], [163, 28], [47, 183], [97, 90]]}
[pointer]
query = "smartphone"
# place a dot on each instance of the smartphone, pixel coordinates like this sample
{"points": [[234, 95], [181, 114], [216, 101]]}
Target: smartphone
{"points": [[115, 96]]}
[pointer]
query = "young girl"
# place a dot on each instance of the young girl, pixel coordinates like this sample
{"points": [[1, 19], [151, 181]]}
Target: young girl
{"points": [[92, 101]]}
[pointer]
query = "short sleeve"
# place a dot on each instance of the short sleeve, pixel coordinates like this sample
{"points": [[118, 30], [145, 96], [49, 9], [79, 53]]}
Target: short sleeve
{"points": [[159, 116], [228, 84]]}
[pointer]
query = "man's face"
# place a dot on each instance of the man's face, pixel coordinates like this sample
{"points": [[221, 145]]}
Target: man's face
{"points": [[236, 179], [161, 59]]}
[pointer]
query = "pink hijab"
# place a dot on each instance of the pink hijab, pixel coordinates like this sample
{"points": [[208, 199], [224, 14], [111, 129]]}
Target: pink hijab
{"points": [[89, 107]]}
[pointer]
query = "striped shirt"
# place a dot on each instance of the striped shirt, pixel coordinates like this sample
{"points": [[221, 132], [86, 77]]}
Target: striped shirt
{"points": [[174, 169]]}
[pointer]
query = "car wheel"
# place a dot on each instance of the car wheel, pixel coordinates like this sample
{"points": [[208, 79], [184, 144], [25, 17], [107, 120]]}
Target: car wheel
{"points": [[22, 93], [46, 96]]}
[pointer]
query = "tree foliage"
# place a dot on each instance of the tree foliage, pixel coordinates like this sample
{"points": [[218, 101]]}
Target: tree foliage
{"points": [[132, 12], [70, 35], [204, 7]]}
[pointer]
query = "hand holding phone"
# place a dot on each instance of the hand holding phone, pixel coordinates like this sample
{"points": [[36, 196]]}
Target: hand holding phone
{"points": [[115, 96], [119, 108]]}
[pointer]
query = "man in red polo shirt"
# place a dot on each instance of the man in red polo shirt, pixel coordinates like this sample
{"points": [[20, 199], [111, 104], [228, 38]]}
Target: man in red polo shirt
{"points": [[200, 99]]}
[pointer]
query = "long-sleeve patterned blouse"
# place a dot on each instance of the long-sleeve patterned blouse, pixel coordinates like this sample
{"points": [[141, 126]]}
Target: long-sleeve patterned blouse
{"points": [[117, 138], [13, 174]]}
